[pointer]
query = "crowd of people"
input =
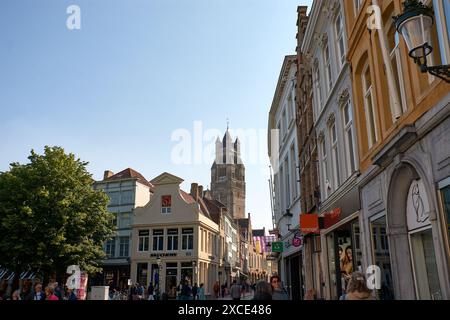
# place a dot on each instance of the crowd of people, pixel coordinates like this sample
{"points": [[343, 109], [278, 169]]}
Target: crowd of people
{"points": [[53, 291], [183, 291], [356, 289]]}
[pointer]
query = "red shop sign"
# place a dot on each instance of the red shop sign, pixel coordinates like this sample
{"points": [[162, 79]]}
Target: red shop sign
{"points": [[331, 218], [309, 223]]}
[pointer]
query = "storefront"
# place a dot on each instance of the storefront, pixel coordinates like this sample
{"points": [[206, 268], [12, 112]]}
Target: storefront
{"points": [[114, 276], [343, 254], [339, 244], [292, 261], [409, 231]]}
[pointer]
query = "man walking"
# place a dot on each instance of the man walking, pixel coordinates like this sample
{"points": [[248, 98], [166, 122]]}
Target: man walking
{"points": [[235, 291]]}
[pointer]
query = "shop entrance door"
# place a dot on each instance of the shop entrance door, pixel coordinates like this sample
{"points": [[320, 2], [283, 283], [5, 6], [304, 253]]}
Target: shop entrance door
{"points": [[296, 278]]}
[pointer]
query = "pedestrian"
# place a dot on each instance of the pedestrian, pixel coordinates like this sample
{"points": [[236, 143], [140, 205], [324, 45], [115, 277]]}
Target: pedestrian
{"points": [[26, 293], [186, 291], [263, 291], [201, 292], [310, 294], [50, 293], [134, 291], [172, 295], [38, 293], [115, 294], [236, 291], [357, 288], [140, 291], [216, 289], [58, 291], [194, 291], [15, 295], [179, 288], [151, 291], [278, 291], [70, 295]]}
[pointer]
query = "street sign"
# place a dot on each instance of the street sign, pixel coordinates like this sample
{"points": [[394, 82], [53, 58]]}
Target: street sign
{"points": [[277, 246]]}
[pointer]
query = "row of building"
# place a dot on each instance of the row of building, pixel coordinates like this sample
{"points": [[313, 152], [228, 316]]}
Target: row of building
{"points": [[359, 139], [166, 235]]}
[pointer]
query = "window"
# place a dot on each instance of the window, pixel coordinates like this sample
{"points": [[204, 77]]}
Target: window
{"points": [[114, 222], [124, 244], [282, 185], [348, 138], [445, 192], [158, 239], [289, 107], [358, 4], [125, 220], [442, 14], [172, 239], [187, 239], [339, 25], [382, 258], [369, 108], [110, 247], [166, 204], [142, 272], [114, 198], [396, 62], [144, 240], [425, 267], [294, 183], [292, 102], [317, 86], [327, 62], [326, 183], [334, 155], [286, 181], [127, 197], [284, 124]]}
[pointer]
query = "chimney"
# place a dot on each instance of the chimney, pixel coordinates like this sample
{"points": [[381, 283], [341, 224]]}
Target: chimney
{"points": [[107, 174], [200, 191], [194, 191]]}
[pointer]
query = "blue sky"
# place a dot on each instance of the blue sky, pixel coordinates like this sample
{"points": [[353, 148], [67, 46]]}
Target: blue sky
{"points": [[114, 91]]}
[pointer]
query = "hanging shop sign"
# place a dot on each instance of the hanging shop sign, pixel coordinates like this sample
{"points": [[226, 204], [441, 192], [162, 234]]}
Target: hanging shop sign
{"points": [[277, 246], [297, 241], [309, 223]]}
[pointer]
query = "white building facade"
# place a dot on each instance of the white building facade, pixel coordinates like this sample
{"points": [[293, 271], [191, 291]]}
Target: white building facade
{"points": [[284, 159], [126, 190]]}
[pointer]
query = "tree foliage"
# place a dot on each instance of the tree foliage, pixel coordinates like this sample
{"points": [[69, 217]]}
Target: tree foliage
{"points": [[50, 215]]}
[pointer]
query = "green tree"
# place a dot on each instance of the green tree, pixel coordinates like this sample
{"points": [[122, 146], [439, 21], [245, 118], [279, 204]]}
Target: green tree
{"points": [[50, 215]]}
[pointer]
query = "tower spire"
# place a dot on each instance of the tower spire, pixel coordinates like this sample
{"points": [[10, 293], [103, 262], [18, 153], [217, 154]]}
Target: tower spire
{"points": [[228, 123]]}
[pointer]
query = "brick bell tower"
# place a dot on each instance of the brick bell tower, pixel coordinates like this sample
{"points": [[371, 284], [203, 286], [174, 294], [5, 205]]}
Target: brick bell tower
{"points": [[228, 176]]}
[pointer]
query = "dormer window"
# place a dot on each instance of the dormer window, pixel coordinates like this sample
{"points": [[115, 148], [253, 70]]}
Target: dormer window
{"points": [[166, 204]]}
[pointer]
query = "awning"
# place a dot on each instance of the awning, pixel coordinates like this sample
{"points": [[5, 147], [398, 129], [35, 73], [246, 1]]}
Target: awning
{"points": [[6, 274]]}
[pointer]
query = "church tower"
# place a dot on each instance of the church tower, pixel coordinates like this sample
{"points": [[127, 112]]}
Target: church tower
{"points": [[228, 176]]}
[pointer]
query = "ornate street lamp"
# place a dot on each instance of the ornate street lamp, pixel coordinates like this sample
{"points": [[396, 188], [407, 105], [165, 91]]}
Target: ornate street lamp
{"points": [[415, 24], [194, 269], [159, 263]]}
